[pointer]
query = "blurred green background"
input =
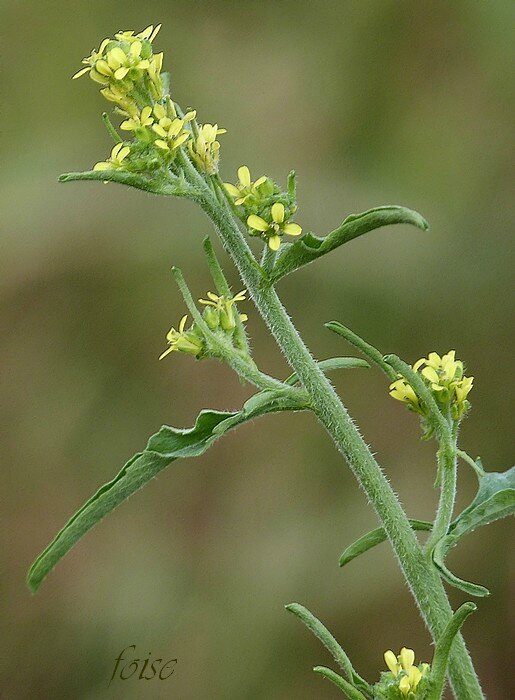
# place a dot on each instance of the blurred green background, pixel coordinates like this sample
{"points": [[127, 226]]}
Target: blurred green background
{"points": [[372, 103]]}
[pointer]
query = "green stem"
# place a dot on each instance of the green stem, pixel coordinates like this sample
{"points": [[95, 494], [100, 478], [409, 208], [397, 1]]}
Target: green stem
{"points": [[447, 467], [420, 574]]}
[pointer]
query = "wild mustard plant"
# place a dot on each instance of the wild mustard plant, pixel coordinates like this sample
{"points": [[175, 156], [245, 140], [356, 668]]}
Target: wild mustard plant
{"points": [[163, 150]]}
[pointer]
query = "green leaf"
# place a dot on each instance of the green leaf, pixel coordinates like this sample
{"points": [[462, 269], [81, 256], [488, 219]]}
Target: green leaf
{"points": [[495, 499], [162, 449], [350, 692], [330, 643], [331, 364], [368, 350], [158, 183], [374, 537], [311, 247], [443, 648]]}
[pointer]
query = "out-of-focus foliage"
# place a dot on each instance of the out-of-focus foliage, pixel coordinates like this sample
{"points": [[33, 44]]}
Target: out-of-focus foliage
{"points": [[371, 103]]}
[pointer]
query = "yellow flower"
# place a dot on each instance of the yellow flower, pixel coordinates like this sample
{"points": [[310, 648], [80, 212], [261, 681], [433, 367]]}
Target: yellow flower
{"points": [[138, 121], [119, 96], [274, 229], [115, 161], [148, 34], [90, 60], [444, 375], [402, 391], [403, 668], [171, 131], [118, 62], [219, 311], [246, 188], [183, 341], [204, 149]]}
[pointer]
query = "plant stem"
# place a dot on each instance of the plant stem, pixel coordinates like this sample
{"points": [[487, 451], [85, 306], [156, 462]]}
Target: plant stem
{"points": [[447, 467], [422, 577]]}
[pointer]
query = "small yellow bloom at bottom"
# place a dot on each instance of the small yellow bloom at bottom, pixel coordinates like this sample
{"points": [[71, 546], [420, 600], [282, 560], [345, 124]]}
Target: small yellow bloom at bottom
{"points": [[115, 161]]}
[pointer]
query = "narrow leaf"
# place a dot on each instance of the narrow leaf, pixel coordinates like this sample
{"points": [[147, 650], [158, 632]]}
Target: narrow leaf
{"points": [[162, 449], [330, 643], [311, 247], [368, 350], [159, 183], [374, 537], [443, 648], [331, 364], [350, 692]]}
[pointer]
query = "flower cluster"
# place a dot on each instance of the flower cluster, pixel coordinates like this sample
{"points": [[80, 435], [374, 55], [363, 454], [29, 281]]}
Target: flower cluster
{"points": [[444, 376], [161, 139], [219, 311], [127, 67], [266, 209], [219, 315], [404, 680]]}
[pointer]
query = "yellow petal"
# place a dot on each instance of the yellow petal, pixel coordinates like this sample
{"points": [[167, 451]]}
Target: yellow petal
{"points": [[292, 229], [257, 223], [116, 57], [406, 658], [154, 33], [260, 181], [231, 189], [135, 48], [274, 242], [244, 175], [278, 212], [120, 73], [166, 352], [162, 144], [82, 71], [391, 661], [103, 165]]}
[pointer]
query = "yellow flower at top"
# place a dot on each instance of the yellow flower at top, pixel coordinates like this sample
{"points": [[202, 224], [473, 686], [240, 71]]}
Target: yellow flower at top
{"points": [[204, 148], [402, 668], [246, 188], [115, 161], [274, 229], [148, 34]]}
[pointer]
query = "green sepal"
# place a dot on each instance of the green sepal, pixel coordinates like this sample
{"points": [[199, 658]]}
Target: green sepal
{"points": [[495, 499], [163, 448], [332, 364], [311, 247], [350, 692], [442, 651], [375, 537], [158, 183], [330, 643]]}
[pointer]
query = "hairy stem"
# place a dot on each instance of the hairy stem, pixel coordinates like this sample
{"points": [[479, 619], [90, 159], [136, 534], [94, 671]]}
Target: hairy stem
{"points": [[420, 574], [447, 468]]}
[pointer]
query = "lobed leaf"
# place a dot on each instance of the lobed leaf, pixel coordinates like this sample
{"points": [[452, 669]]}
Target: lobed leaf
{"points": [[495, 499], [311, 247], [163, 448]]}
